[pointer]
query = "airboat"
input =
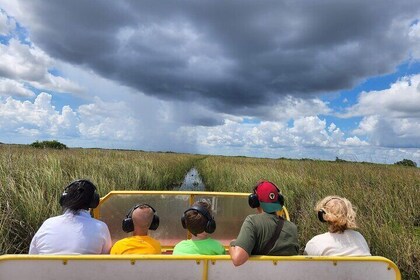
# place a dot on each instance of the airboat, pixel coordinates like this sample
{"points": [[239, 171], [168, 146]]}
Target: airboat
{"points": [[229, 209]]}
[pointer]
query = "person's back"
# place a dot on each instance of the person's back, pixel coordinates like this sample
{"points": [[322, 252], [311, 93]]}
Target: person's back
{"points": [[71, 234], [139, 220], [341, 239], [200, 223], [255, 238], [347, 243], [75, 231], [264, 233]]}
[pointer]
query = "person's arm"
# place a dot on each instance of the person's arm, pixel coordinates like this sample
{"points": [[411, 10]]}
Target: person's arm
{"points": [[108, 242], [239, 256], [241, 248]]}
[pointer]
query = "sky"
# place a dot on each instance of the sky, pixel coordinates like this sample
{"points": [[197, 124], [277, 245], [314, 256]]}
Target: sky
{"points": [[293, 79]]}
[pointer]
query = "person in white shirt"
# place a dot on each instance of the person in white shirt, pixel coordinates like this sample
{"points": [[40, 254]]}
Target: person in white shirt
{"points": [[75, 231], [341, 238]]}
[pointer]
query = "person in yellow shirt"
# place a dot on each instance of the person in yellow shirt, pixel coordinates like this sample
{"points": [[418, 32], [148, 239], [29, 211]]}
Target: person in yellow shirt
{"points": [[139, 220]]}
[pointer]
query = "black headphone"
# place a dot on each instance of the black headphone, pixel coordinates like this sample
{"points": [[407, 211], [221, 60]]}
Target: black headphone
{"points": [[253, 197], [128, 224], [211, 223], [321, 211], [94, 201]]}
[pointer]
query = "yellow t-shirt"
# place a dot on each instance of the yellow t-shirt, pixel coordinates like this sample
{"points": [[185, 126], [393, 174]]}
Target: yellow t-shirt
{"points": [[136, 245]]}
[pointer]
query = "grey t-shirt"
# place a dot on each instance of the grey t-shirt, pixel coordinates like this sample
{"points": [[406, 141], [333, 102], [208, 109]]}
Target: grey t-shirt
{"points": [[258, 229]]}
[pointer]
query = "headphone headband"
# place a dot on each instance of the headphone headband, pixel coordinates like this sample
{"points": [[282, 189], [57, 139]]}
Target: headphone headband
{"points": [[130, 213], [202, 210], [80, 186], [211, 223], [128, 224], [253, 200], [322, 212]]}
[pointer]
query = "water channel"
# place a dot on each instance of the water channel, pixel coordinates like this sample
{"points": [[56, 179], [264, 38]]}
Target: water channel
{"points": [[192, 181]]}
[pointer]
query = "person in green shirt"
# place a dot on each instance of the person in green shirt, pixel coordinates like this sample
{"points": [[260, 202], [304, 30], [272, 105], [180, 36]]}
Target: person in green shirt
{"points": [[264, 233], [198, 220]]}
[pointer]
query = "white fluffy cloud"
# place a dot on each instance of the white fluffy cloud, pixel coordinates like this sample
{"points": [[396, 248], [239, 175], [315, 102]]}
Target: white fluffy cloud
{"points": [[13, 88], [98, 120], [25, 63], [306, 132], [103, 120], [391, 117], [37, 118]]}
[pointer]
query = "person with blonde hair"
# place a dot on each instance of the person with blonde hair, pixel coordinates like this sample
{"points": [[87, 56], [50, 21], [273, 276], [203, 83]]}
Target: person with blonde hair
{"points": [[341, 238]]}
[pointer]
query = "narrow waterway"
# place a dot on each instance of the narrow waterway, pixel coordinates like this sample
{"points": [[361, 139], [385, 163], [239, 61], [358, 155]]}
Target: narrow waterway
{"points": [[192, 181]]}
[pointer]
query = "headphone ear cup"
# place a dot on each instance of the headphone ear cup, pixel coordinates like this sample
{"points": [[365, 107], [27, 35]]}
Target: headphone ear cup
{"points": [[155, 222], [253, 200], [321, 213], [211, 226], [95, 200], [128, 225], [281, 199], [62, 197], [184, 224]]}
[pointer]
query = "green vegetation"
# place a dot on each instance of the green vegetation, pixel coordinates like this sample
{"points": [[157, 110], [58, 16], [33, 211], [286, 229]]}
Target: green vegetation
{"points": [[54, 144], [387, 196], [406, 162]]}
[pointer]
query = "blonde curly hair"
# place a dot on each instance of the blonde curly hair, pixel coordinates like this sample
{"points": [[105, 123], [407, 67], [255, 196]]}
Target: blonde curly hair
{"points": [[338, 212]]}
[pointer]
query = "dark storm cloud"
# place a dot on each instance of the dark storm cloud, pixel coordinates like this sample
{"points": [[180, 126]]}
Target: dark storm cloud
{"points": [[227, 55]]}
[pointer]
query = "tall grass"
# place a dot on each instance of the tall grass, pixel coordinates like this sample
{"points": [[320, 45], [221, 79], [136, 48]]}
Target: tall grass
{"points": [[31, 181], [387, 197]]}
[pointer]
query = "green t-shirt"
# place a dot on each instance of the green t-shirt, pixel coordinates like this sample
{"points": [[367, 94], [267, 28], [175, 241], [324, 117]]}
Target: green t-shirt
{"points": [[258, 229], [207, 246]]}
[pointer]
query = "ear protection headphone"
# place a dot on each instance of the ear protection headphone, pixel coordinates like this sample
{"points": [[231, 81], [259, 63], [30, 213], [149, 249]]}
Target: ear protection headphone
{"points": [[211, 223], [128, 224], [321, 211], [253, 197], [94, 201]]}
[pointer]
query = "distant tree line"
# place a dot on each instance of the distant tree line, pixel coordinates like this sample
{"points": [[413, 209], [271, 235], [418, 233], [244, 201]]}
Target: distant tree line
{"points": [[406, 162], [54, 144]]}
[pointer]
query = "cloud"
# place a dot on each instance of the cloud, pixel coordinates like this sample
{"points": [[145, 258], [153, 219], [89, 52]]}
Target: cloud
{"points": [[391, 117], [6, 24], [38, 118], [13, 88], [401, 100], [25, 63], [305, 132], [231, 57]]}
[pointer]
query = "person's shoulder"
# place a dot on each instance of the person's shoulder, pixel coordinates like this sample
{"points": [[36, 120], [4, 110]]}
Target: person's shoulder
{"points": [[215, 241], [183, 242], [54, 219], [354, 233], [320, 237], [99, 223]]}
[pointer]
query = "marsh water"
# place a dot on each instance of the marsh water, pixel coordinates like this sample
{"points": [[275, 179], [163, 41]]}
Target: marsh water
{"points": [[192, 181]]}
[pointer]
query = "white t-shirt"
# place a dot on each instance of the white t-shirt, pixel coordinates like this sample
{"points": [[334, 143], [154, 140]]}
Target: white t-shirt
{"points": [[72, 234], [348, 243]]}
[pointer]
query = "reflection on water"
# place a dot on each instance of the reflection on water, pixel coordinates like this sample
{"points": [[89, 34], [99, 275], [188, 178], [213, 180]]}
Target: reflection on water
{"points": [[192, 181]]}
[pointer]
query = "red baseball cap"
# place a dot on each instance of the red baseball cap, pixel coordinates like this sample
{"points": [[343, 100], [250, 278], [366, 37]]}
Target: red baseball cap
{"points": [[268, 195]]}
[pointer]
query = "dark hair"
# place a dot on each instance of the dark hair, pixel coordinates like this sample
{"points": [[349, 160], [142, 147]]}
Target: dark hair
{"points": [[78, 195], [196, 222]]}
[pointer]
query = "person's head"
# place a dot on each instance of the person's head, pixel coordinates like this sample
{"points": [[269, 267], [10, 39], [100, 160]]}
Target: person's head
{"points": [[338, 212], [140, 219], [267, 196], [78, 195], [198, 218]]}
